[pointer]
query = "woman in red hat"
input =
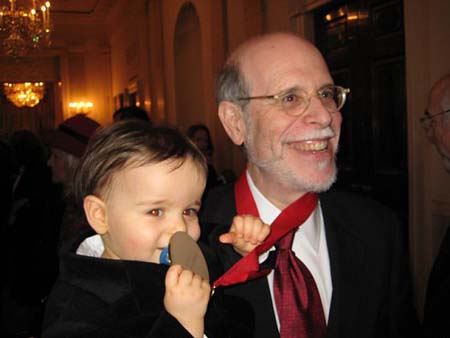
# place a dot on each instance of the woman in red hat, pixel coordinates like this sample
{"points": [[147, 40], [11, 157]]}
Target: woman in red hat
{"points": [[67, 144]]}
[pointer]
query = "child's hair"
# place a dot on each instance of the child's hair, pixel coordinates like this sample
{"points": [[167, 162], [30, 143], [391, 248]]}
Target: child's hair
{"points": [[130, 143]]}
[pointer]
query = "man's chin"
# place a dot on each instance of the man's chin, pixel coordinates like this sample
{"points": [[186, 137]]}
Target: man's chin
{"points": [[319, 185], [324, 186]]}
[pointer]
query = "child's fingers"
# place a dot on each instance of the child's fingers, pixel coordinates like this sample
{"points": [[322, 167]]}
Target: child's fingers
{"points": [[258, 232], [198, 282], [186, 277], [228, 238], [172, 275], [245, 230], [251, 228], [262, 235], [243, 226], [237, 226]]}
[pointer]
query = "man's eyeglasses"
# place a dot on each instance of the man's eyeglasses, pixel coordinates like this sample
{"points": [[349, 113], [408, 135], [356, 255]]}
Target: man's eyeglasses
{"points": [[296, 101], [427, 118]]}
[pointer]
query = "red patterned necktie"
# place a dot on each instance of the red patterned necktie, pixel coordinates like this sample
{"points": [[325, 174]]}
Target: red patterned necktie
{"points": [[296, 296]]}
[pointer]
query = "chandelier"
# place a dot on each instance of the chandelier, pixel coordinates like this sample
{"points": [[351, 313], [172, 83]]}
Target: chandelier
{"points": [[25, 93], [24, 27]]}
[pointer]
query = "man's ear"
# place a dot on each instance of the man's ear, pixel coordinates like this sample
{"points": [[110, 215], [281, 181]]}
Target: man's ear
{"points": [[95, 210], [232, 119]]}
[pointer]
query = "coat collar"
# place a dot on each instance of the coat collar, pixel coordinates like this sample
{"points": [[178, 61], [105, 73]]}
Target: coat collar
{"points": [[347, 255], [95, 274]]}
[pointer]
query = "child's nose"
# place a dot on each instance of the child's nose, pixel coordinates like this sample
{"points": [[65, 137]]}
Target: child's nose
{"points": [[179, 225]]}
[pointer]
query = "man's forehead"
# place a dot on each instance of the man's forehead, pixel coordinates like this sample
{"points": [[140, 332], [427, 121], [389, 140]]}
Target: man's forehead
{"points": [[277, 61], [274, 46], [439, 93]]}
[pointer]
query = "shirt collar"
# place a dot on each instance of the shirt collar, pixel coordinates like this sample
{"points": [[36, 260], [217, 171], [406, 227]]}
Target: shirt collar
{"points": [[268, 212], [91, 246]]}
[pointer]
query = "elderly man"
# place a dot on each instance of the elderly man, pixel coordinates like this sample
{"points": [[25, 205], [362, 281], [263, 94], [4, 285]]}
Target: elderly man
{"points": [[344, 271], [436, 120], [436, 123]]}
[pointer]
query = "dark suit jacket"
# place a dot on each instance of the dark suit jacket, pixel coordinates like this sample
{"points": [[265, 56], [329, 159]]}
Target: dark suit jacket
{"points": [[369, 269], [436, 313]]}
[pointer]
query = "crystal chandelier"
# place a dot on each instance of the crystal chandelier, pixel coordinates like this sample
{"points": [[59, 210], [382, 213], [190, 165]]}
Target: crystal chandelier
{"points": [[24, 27], [25, 93]]}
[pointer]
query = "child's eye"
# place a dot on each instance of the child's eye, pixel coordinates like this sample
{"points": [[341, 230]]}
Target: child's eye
{"points": [[156, 212], [190, 212]]}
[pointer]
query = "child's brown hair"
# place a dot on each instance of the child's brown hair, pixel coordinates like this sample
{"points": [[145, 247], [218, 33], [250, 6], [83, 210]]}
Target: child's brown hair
{"points": [[130, 143]]}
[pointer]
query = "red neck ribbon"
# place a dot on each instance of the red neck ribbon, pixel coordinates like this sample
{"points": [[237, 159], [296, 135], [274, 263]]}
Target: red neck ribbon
{"points": [[291, 217]]}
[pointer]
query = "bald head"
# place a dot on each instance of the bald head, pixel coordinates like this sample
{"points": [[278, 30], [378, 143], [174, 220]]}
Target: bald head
{"points": [[439, 98], [252, 59], [273, 41], [438, 129]]}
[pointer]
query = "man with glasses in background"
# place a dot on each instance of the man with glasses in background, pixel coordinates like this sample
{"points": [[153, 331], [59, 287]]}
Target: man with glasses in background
{"points": [[436, 123], [436, 119], [335, 264]]}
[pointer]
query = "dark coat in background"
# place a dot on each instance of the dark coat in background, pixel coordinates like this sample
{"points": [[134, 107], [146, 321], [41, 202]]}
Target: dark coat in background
{"points": [[436, 317], [372, 293]]}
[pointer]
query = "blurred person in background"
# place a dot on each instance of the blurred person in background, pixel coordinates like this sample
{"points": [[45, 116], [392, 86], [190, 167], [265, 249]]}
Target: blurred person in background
{"points": [[436, 123], [29, 237], [131, 112], [199, 134], [67, 144]]}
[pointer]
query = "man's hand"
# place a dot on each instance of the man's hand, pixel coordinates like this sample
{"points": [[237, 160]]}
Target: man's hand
{"points": [[186, 298], [246, 233]]}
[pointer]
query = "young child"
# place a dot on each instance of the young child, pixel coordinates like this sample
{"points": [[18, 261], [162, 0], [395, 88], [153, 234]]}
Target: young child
{"points": [[138, 185]]}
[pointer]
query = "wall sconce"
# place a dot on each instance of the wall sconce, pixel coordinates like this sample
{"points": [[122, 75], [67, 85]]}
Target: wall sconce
{"points": [[81, 107]]}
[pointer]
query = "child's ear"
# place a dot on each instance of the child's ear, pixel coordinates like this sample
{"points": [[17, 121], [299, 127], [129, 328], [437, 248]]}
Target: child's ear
{"points": [[95, 210], [230, 114]]}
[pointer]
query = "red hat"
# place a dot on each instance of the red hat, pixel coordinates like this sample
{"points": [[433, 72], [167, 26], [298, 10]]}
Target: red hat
{"points": [[72, 135]]}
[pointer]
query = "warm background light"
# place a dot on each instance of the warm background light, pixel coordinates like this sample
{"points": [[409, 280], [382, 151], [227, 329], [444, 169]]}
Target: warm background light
{"points": [[81, 107], [24, 93], [24, 27]]}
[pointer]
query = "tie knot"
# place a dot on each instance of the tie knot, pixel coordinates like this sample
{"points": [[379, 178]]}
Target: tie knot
{"points": [[285, 242]]}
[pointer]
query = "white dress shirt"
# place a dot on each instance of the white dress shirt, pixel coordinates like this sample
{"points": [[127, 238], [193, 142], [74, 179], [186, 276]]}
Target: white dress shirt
{"points": [[309, 245]]}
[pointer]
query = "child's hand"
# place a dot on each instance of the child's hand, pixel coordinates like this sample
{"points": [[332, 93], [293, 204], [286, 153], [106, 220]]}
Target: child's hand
{"points": [[246, 233], [186, 298]]}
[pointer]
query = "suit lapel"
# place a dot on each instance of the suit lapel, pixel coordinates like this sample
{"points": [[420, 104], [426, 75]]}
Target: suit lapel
{"points": [[347, 255]]}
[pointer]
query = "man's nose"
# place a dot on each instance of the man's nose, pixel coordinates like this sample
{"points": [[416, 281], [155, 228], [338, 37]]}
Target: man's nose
{"points": [[318, 114]]}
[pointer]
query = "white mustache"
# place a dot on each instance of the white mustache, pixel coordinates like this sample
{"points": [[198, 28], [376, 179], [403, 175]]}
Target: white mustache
{"points": [[317, 134]]}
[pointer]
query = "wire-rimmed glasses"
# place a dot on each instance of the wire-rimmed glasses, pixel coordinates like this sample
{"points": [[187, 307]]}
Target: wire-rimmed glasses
{"points": [[295, 101], [427, 118]]}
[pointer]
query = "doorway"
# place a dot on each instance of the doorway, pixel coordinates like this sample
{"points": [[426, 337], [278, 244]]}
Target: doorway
{"points": [[363, 44]]}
